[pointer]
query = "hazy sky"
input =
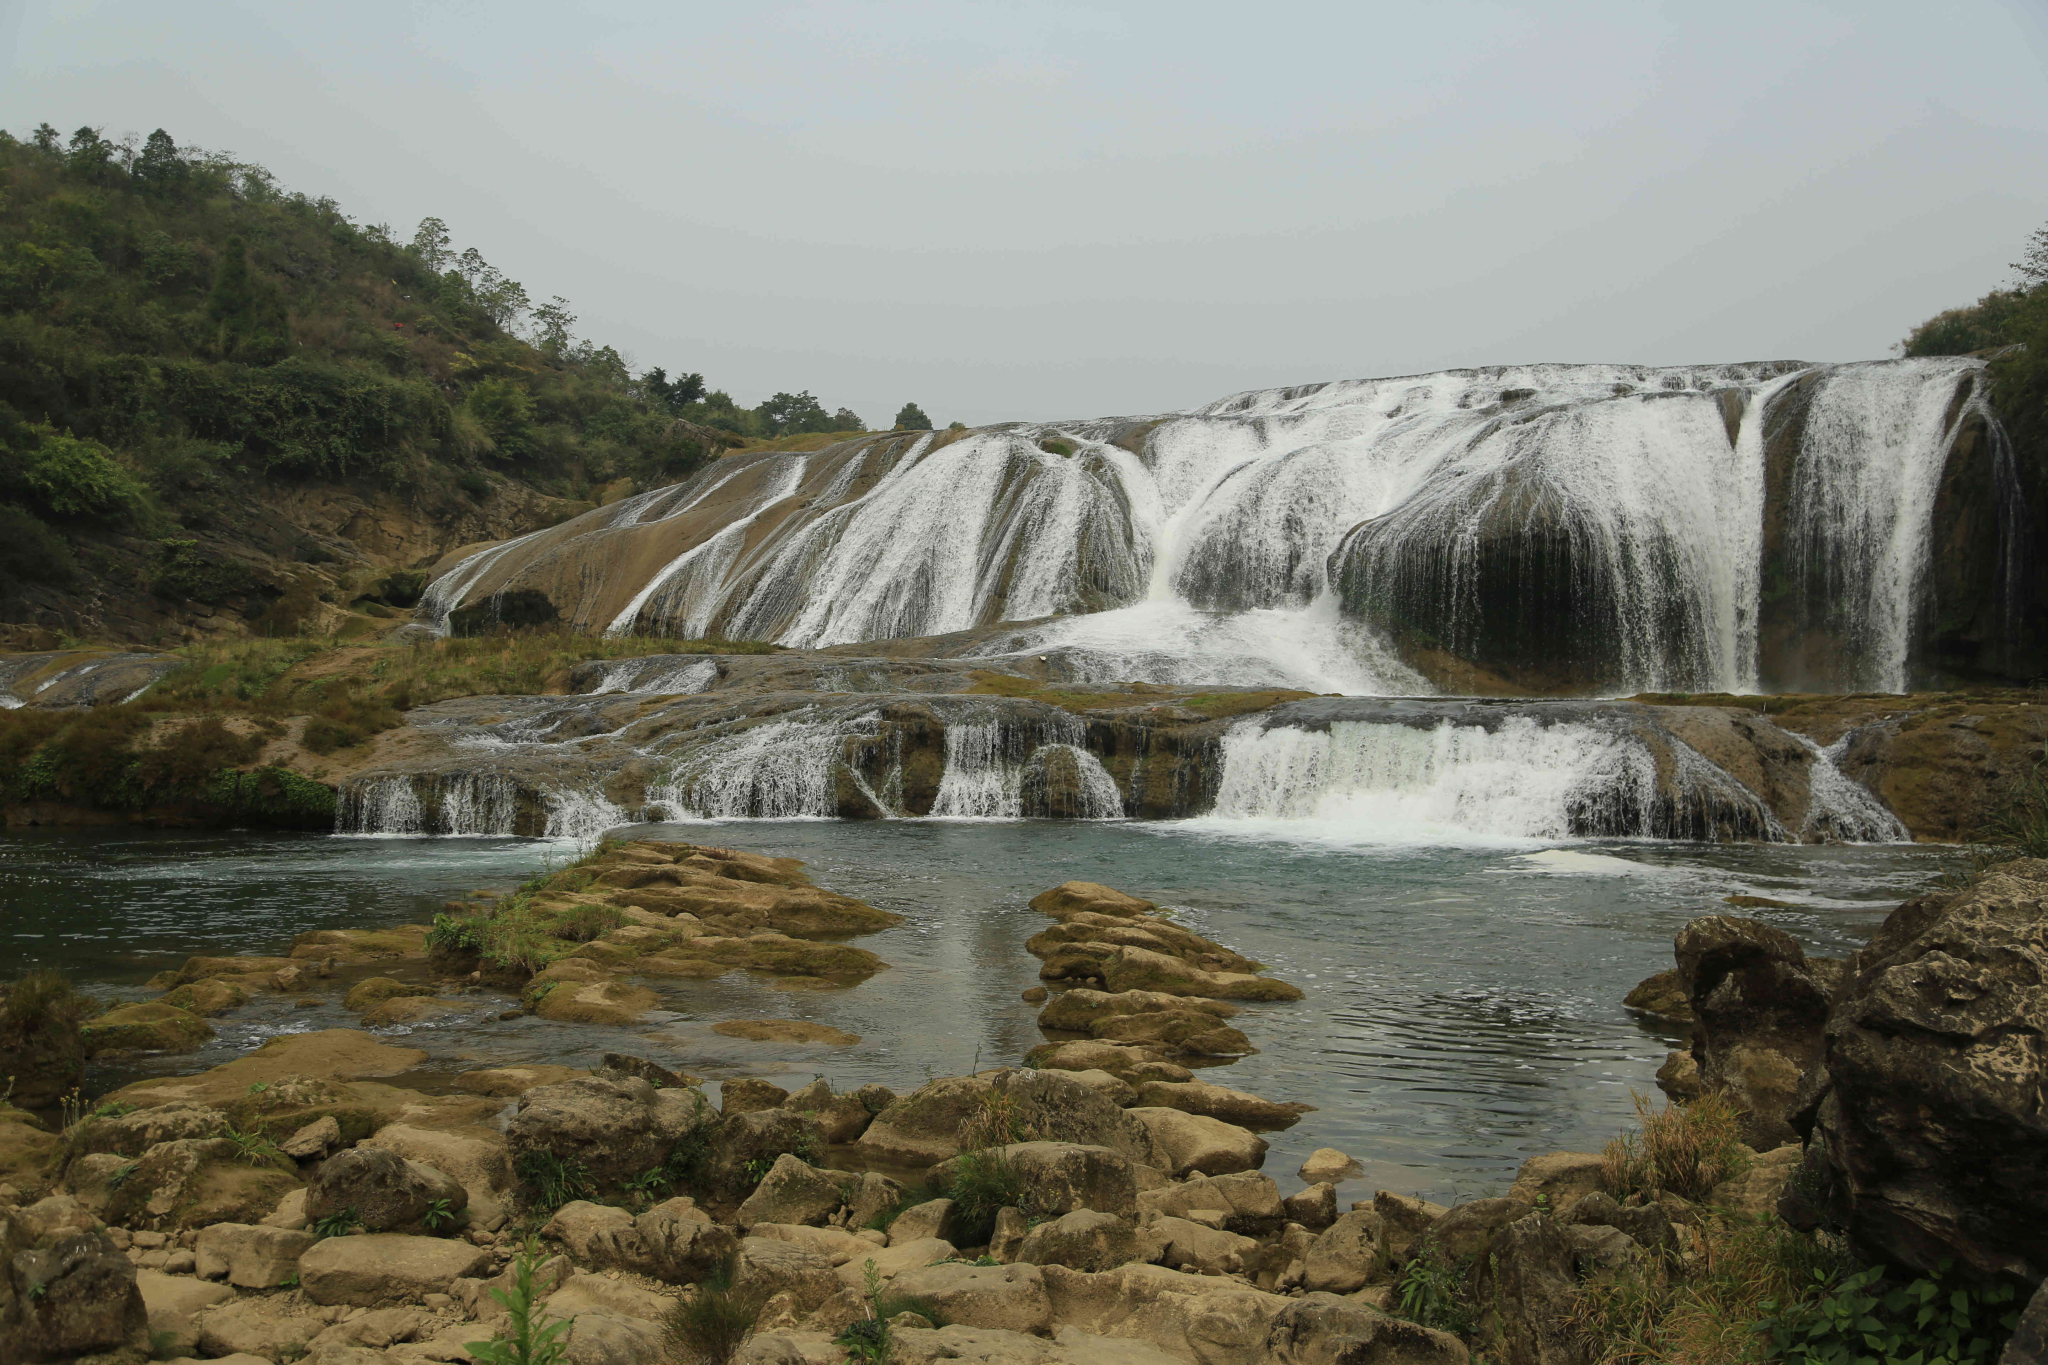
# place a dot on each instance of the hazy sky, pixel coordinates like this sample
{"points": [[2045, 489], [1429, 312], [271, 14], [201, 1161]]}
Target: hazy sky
{"points": [[1050, 209]]}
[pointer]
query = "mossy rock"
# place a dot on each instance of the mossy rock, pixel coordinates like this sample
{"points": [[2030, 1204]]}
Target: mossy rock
{"points": [[152, 1027], [208, 997], [378, 989]]}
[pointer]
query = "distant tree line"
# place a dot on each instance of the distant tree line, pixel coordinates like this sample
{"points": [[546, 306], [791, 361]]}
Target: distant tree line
{"points": [[2009, 327]]}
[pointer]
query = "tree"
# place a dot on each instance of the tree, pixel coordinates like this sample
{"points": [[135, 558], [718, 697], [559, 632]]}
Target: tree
{"points": [[159, 167], [787, 414], [431, 243], [46, 138], [92, 156], [674, 394], [846, 419], [2032, 266], [551, 324], [231, 306], [912, 418]]}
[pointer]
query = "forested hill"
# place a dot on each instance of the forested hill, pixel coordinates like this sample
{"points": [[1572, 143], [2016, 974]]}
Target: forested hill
{"points": [[226, 406]]}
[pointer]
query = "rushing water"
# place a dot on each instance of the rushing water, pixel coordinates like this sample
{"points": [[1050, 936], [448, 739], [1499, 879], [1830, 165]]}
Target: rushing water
{"points": [[1279, 537], [1463, 1005]]}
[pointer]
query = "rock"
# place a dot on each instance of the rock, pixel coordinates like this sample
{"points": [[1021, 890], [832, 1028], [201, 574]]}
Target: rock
{"points": [[1469, 1228], [1220, 1102], [766, 1267], [1761, 1010], [933, 1218], [1404, 1221], [27, 1151], [314, 1140], [150, 1027], [1063, 1176], [875, 1196], [261, 1328], [1180, 1244], [509, 1081], [1314, 1207], [747, 1097], [1083, 1240], [1321, 1327], [475, 1156], [609, 1339], [207, 998], [69, 1291], [894, 1259], [189, 1183], [1663, 996], [838, 1245], [1052, 1106], [2029, 1343], [1116, 1091], [1191, 1142], [1529, 1282], [1246, 1202], [1118, 1059], [581, 1294], [92, 1180], [1034, 995], [134, 1133], [372, 1330], [290, 1212], [376, 990], [1068, 899], [1011, 1298], [386, 1192], [1007, 1235], [618, 1127], [1757, 1190], [925, 1125], [408, 1010], [1603, 1252], [251, 1256], [1928, 1120], [171, 1301], [1328, 1165], [593, 1002], [1346, 1255], [793, 1191], [842, 1117], [681, 1243], [1556, 1180], [761, 1136], [784, 1031], [597, 1235], [1679, 1078], [376, 1270]]}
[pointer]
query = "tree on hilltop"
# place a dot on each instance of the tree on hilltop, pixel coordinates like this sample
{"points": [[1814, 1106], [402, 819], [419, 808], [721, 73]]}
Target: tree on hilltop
{"points": [[912, 418]]}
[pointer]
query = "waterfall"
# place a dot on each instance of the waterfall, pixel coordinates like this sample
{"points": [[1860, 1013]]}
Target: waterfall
{"points": [[1000, 769], [470, 803], [657, 677], [776, 770], [1841, 810]]}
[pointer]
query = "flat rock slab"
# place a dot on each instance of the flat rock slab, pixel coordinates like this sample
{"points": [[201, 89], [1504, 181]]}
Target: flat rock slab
{"points": [[380, 1269], [784, 1031]]}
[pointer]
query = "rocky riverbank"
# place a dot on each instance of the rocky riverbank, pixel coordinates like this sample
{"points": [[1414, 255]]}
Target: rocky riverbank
{"points": [[325, 1198]]}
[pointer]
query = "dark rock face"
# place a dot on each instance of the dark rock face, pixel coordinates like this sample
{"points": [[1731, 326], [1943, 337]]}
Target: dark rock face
{"points": [[64, 1292], [384, 1190], [1928, 1122], [1530, 1276], [1761, 1010]]}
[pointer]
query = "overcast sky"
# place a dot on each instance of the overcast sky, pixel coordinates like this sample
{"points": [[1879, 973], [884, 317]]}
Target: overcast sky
{"points": [[1047, 209]]}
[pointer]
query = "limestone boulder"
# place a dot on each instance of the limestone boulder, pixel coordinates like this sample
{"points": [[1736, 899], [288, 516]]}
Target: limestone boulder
{"points": [[749, 1096], [150, 1027], [1528, 1280], [475, 1156], [1181, 1244], [1314, 1208], [1346, 1255], [794, 1191], [67, 1291], [265, 1328], [1068, 899], [133, 1133], [894, 1259], [1663, 996], [1052, 1106], [207, 998], [385, 1192], [1082, 1240], [1011, 1298], [193, 1182], [1324, 1328], [597, 1235], [1762, 1010], [1193, 1143], [172, 1304], [933, 1218], [924, 1126], [766, 1267], [1469, 1228], [1556, 1180], [1221, 1102], [839, 1245], [1060, 1177], [385, 1269], [1928, 1116], [616, 1127], [1328, 1165], [762, 1136], [1404, 1222], [1121, 1060], [599, 1338], [1758, 1188], [681, 1243], [250, 1256]]}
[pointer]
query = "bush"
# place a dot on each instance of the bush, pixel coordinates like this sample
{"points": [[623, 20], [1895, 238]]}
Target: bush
{"points": [[1684, 1149], [1931, 1322], [67, 477], [1981, 326], [554, 1180], [31, 552], [186, 571], [710, 1326], [528, 1337], [984, 1183], [42, 1004]]}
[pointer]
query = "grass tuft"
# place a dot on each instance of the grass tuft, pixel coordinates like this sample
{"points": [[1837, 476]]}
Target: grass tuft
{"points": [[1685, 1149]]}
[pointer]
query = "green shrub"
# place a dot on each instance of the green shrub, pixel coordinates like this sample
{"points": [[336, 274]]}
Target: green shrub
{"points": [[528, 1336], [553, 1180], [1925, 1322], [1431, 1291], [31, 552], [1686, 1149], [712, 1323], [184, 570], [983, 1184], [40, 1004]]}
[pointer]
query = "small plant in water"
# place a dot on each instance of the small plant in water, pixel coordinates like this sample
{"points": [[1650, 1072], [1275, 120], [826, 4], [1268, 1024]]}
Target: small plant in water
{"points": [[528, 1337]]}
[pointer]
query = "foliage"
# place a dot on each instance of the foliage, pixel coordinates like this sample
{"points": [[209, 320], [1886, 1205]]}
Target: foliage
{"points": [[983, 1184], [1431, 1291], [437, 1214], [910, 417], [528, 1336], [40, 1004], [338, 1224], [1982, 326], [710, 1325], [258, 1150], [1685, 1149], [1856, 1320], [554, 1180]]}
